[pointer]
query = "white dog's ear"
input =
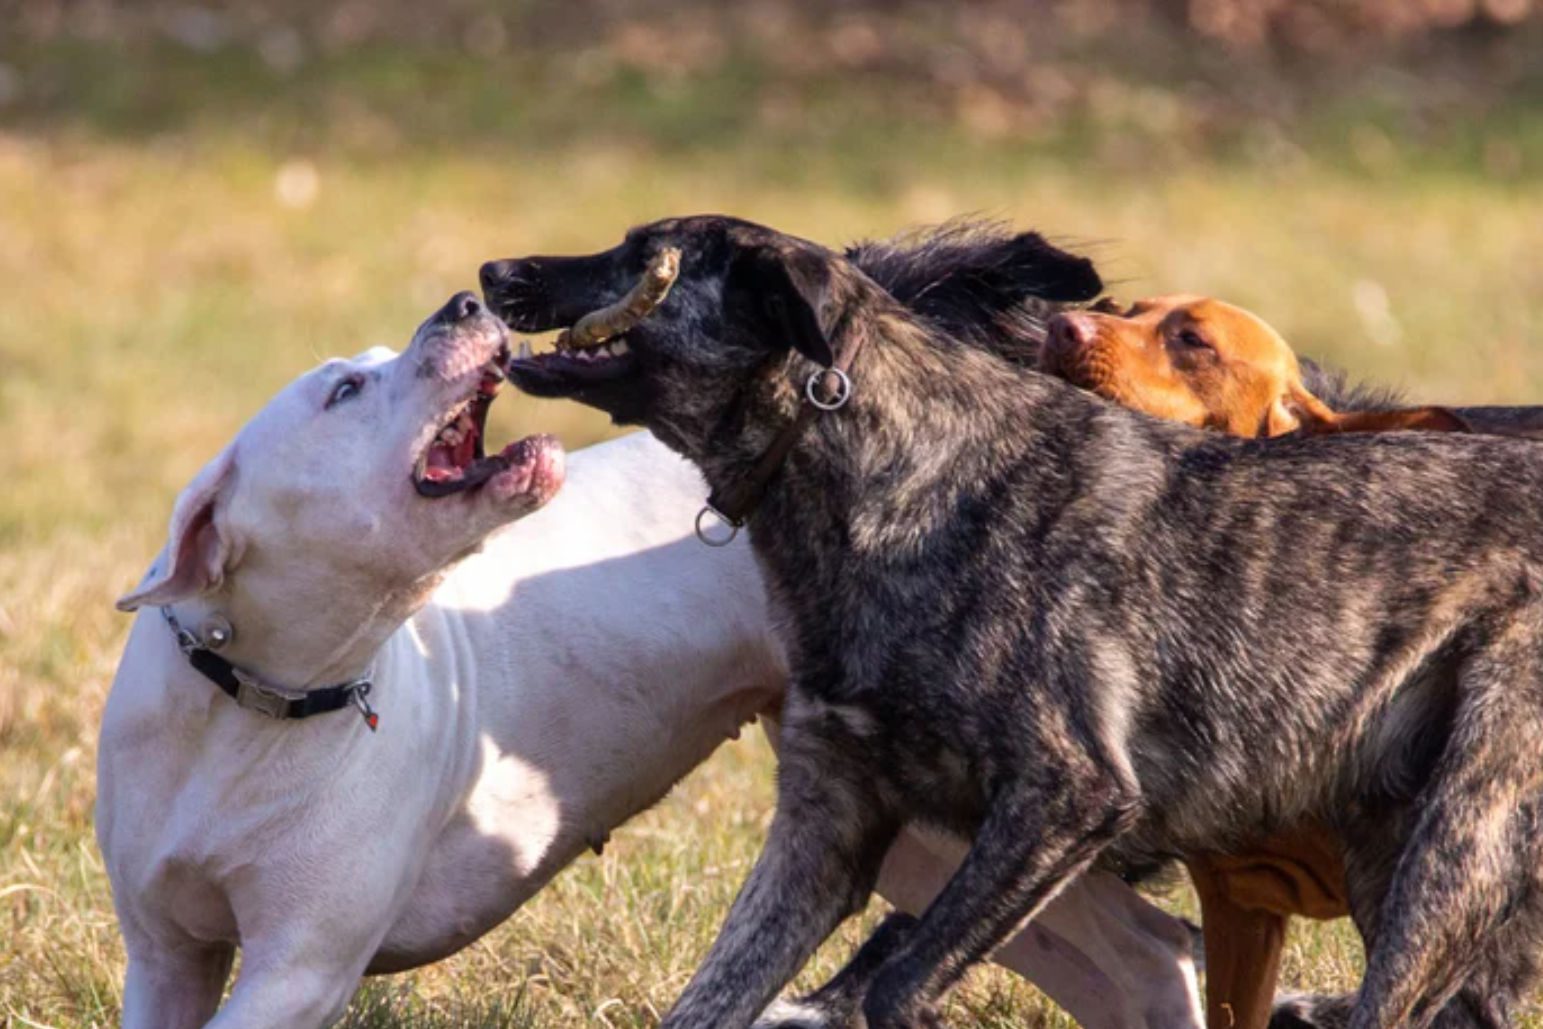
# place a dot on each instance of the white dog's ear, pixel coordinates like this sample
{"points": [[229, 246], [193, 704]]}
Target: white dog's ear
{"points": [[199, 552]]}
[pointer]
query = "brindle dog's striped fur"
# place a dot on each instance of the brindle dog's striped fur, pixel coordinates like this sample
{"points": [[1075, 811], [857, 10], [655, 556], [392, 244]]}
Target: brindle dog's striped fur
{"points": [[1070, 631]]}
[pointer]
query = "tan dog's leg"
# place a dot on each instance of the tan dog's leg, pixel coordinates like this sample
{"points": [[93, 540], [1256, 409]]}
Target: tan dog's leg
{"points": [[1425, 419], [1246, 901], [1298, 408], [1242, 953]]}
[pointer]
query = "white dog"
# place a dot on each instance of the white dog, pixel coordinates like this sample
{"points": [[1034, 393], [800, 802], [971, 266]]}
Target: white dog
{"points": [[530, 688]]}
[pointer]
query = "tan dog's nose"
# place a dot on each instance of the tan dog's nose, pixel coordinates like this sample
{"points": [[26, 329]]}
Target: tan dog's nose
{"points": [[1072, 329], [1068, 338], [1067, 335]]}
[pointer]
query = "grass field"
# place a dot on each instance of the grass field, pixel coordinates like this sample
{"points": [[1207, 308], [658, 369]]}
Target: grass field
{"points": [[179, 237]]}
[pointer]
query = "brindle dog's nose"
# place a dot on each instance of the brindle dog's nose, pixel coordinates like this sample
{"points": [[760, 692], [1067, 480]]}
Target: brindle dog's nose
{"points": [[460, 307], [494, 274]]}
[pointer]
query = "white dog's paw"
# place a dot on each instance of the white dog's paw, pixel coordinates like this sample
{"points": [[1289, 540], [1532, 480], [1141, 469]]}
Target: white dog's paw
{"points": [[785, 1013]]}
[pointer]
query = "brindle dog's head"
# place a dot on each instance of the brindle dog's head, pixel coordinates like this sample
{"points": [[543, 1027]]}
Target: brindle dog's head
{"points": [[747, 303]]}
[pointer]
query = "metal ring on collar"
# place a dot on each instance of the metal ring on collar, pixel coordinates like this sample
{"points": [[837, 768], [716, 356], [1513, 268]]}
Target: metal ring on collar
{"points": [[715, 541], [843, 389]]}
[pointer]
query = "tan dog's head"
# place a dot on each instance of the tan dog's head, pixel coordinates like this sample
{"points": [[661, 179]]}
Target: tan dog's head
{"points": [[1206, 363]]}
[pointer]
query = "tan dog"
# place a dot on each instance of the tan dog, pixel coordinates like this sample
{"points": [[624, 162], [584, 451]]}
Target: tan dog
{"points": [[1210, 364], [1207, 363]]}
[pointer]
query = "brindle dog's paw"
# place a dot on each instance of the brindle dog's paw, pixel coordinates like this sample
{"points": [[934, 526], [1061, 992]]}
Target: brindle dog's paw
{"points": [[1306, 1011], [851, 982], [798, 1014], [913, 1016], [894, 1005], [834, 1005]]}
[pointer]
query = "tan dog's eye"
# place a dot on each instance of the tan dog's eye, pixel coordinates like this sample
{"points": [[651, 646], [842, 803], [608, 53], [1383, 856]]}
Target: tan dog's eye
{"points": [[1193, 340]]}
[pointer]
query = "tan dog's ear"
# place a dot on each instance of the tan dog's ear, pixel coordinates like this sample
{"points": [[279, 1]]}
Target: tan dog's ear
{"points": [[1297, 408]]}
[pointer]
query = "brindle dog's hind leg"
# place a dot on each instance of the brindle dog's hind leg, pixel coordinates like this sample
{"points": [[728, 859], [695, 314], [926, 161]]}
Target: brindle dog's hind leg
{"points": [[1485, 1001], [1486, 998], [819, 864], [1465, 872]]}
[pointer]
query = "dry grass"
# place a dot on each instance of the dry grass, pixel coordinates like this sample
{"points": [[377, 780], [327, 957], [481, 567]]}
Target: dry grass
{"points": [[154, 289]]}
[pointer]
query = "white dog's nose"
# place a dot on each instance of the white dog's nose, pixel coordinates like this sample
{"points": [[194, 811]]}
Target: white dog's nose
{"points": [[460, 307]]}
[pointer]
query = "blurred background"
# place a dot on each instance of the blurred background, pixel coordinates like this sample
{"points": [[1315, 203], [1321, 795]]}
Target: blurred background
{"points": [[198, 202]]}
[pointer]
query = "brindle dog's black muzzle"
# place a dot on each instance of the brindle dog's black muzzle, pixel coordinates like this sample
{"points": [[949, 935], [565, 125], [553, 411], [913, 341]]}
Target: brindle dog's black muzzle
{"points": [[537, 294]]}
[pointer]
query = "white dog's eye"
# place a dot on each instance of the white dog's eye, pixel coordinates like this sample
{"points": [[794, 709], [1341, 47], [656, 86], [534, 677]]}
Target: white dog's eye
{"points": [[345, 390]]}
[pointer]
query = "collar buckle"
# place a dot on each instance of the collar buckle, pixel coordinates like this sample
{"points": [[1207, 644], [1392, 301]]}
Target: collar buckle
{"points": [[265, 700], [252, 694]]}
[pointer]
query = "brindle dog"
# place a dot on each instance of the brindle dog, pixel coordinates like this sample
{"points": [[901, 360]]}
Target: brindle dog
{"points": [[1070, 631]]}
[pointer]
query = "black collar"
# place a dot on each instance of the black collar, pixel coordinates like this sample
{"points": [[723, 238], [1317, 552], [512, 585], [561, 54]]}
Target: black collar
{"points": [[828, 389], [252, 693]]}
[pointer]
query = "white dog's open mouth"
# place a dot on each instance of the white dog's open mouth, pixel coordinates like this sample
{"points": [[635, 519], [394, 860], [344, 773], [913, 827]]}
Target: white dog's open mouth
{"points": [[456, 459]]}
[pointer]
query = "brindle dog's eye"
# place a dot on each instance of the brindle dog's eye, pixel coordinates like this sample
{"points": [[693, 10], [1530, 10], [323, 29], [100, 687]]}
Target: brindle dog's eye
{"points": [[345, 390]]}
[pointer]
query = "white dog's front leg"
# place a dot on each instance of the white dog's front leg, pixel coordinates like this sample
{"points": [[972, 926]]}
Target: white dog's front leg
{"points": [[302, 956], [173, 989], [291, 994], [1099, 950]]}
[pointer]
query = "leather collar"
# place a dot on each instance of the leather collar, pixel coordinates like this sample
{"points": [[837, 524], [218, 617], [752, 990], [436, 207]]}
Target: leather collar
{"points": [[250, 692], [827, 389]]}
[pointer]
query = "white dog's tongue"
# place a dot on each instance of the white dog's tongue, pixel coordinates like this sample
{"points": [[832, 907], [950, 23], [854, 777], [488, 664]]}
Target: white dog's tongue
{"points": [[454, 459], [441, 468], [453, 450]]}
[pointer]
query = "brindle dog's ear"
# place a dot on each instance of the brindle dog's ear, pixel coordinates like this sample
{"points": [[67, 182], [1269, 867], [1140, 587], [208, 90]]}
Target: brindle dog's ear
{"points": [[784, 294], [961, 273], [1041, 269]]}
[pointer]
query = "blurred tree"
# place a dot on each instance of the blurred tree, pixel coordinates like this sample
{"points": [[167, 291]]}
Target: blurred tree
{"points": [[1306, 24]]}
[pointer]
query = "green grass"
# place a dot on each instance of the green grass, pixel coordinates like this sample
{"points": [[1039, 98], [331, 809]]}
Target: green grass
{"points": [[154, 291]]}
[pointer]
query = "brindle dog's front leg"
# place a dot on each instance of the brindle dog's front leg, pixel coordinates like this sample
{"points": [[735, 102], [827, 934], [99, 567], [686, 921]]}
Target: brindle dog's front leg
{"points": [[818, 866], [1038, 834]]}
